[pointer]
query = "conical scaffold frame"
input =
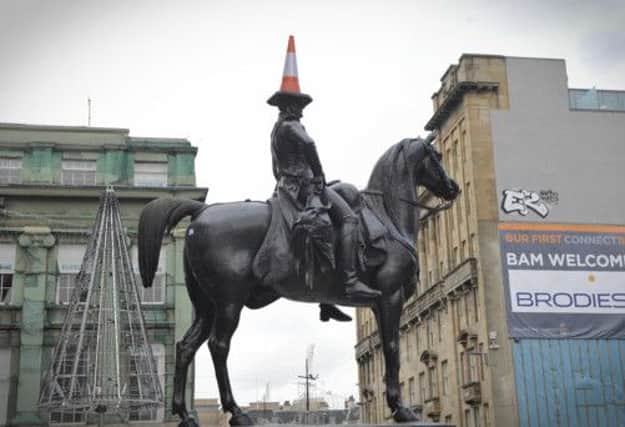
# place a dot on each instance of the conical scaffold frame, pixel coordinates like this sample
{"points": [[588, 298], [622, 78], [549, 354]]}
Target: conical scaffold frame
{"points": [[103, 362]]}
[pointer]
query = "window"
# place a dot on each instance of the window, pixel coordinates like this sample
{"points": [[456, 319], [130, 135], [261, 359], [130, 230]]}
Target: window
{"points": [[10, 171], [408, 339], [6, 283], [444, 318], [476, 307], [7, 265], [469, 304], [412, 398], [69, 260], [429, 330], [462, 368], [64, 287], [5, 384], [460, 305], [78, 172], [386, 409], [486, 416], [403, 350], [150, 174], [471, 365], [481, 352], [421, 387], [467, 199], [476, 416], [150, 413], [433, 377], [473, 245], [445, 373], [67, 416], [417, 340], [439, 325], [156, 293]]}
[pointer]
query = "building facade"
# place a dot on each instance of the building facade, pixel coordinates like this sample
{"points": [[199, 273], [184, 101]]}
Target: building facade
{"points": [[492, 336], [51, 178]]}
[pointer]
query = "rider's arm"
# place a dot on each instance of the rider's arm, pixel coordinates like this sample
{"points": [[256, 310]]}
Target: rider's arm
{"points": [[274, 167], [310, 150]]}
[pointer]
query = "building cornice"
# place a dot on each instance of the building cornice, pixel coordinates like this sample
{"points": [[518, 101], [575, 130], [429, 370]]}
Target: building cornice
{"points": [[454, 98], [164, 146], [94, 191], [63, 128]]}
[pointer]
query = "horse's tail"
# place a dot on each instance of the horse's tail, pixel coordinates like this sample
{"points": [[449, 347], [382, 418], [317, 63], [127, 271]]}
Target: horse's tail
{"points": [[157, 218]]}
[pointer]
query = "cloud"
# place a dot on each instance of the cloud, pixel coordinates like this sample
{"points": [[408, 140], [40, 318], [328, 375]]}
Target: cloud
{"points": [[603, 48]]}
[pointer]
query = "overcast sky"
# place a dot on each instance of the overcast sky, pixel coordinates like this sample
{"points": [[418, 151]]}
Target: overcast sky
{"points": [[204, 69]]}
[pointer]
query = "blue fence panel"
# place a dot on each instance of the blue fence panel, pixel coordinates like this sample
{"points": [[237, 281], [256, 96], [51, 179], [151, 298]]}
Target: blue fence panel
{"points": [[570, 383]]}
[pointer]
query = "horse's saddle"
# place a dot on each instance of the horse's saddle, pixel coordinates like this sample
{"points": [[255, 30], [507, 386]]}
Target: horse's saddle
{"points": [[275, 261], [372, 230]]}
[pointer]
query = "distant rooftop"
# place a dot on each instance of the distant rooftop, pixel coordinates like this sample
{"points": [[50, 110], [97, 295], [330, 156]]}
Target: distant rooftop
{"points": [[96, 137], [62, 128], [594, 99]]}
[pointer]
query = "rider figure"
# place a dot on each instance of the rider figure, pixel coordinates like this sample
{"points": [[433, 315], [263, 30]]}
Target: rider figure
{"points": [[297, 169]]}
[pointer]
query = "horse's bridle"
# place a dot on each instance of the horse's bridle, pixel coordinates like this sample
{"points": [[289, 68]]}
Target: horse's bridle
{"points": [[432, 210]]}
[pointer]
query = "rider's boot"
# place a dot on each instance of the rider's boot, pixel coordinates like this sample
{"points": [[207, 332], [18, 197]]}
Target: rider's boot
{"points": [[354, 288], [329, 311]]}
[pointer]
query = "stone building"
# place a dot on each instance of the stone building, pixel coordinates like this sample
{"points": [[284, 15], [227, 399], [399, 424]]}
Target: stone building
{"points": [[51, 178], [506, 126]]}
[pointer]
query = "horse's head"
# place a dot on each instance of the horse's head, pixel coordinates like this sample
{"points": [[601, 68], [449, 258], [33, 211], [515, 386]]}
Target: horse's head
{"points": [[429, 171]]}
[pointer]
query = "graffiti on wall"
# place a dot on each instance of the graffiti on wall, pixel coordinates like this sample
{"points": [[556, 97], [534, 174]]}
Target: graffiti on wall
{"points": [[522, 202]]}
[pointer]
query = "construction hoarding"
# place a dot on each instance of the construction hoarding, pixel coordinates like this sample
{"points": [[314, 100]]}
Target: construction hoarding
{"points": [[564, 281]]}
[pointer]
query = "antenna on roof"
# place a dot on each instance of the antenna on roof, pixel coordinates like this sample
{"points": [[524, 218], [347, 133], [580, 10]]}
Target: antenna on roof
{"points": [[89, 111]]}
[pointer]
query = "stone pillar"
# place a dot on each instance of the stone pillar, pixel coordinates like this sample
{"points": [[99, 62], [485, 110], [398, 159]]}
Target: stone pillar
{"points": [[32, 263]]}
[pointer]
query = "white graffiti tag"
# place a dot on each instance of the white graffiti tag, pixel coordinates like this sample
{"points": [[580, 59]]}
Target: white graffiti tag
{"points": [[522, 201]]}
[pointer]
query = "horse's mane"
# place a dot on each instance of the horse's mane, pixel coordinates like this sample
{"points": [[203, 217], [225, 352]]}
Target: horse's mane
{"points": [[389, 175]]}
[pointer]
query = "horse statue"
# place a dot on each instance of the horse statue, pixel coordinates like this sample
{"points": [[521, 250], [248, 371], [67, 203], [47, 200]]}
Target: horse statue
{"points": [[222, 241]]}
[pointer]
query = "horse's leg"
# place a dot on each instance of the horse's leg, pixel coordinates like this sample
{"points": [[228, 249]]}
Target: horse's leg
{"points": [[387, 312], [192, 340], [226, 322], [185, 351]]}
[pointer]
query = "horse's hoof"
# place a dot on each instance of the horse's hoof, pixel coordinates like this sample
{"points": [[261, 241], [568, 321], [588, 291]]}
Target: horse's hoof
{"points": [[404, 414], [241, 419], [188, 422]]}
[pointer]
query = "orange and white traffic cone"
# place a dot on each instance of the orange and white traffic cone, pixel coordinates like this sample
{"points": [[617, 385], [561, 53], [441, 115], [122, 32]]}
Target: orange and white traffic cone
{"points": [[289, 92], [290, 80]]}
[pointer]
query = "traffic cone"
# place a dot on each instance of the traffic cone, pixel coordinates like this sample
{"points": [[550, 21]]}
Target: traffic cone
{"points": [[290, 92], [290, 80]]}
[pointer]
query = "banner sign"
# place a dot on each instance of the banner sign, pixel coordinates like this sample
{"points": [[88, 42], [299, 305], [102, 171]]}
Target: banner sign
{"points": [[564, 281]]}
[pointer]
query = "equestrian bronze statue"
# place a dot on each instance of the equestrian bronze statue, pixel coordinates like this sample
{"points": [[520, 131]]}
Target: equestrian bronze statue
{"points": [[311, 242]]}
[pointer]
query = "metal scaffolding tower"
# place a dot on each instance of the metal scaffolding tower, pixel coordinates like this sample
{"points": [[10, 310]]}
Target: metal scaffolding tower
{"points": [[102, 362]]}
